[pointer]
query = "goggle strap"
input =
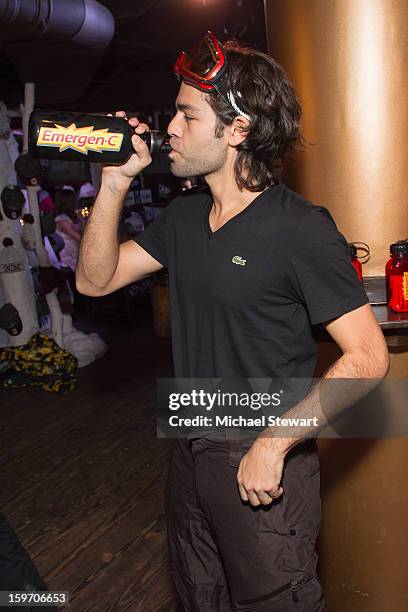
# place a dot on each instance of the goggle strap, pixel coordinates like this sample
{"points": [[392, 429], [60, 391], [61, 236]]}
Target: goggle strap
{"points": [[222, 87], [234, 105]]}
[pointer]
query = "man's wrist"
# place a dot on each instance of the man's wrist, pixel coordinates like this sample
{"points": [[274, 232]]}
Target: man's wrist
{"points": [[115, 182], [268, 440]]}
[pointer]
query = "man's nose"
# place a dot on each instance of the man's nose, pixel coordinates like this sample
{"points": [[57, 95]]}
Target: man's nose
{"points": [[173, 127]]}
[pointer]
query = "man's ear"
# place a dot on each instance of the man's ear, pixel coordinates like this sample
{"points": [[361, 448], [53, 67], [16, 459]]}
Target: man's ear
{"points": [[239, 129]]}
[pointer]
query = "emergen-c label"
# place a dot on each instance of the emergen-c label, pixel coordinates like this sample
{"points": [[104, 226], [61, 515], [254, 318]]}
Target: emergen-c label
{"points": [[81, 139]]}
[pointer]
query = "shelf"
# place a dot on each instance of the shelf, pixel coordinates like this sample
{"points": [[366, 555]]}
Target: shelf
{"points": [[387, 318]]}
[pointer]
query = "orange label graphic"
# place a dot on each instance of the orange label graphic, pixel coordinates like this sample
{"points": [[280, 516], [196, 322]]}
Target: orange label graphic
{"points": [[405, 285], [82, 139]]}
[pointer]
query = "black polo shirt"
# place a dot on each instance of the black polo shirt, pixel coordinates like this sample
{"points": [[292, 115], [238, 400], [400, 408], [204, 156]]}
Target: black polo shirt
{"points": [[244, 298]]}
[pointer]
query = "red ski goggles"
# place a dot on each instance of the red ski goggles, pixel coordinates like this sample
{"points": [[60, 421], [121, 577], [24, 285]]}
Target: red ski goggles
{"points": [[206, 69]]}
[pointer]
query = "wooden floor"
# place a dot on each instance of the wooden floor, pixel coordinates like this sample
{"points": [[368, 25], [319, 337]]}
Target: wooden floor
{"points": [[82, 475]]}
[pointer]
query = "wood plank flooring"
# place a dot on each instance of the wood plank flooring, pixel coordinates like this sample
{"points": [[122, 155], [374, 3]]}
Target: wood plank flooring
{"points": [[82, 475]]}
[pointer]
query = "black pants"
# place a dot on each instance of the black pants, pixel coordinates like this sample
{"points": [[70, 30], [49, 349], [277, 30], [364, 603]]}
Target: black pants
{"points": [[228, 556]]}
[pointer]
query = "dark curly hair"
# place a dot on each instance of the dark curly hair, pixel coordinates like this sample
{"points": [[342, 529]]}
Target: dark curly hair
{"points": [[270, 100]]}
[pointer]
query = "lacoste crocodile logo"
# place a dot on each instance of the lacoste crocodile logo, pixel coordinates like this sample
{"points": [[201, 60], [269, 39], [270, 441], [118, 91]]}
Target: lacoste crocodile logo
{"points": [[238, 260]]}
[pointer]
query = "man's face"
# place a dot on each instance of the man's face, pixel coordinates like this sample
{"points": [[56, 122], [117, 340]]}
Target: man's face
{"points": [[196, 150]]}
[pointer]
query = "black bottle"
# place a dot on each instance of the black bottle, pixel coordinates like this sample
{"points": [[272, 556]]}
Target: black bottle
{"points": [[81, 137]]}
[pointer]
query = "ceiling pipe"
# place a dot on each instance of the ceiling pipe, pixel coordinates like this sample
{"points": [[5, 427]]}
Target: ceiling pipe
{"points": [[85, 22], [43, 37]]}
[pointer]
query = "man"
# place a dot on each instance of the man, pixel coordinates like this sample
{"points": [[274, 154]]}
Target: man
{"points": [[252, 266]]}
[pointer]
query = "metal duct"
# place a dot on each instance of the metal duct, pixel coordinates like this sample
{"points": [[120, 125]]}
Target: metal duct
{"points": [[44, 39]]}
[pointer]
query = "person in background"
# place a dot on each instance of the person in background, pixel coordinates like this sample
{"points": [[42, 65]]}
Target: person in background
{"points": [[68, 227], [45, 203], [188, 183], [86, 192], [86, 199]]}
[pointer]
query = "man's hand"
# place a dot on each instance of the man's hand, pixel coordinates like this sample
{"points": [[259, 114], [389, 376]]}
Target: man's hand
{"points": [[260, 472], [125, 173]]}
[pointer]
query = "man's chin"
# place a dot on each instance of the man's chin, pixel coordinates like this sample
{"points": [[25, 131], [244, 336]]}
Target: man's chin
{"points": [[179, 172]]}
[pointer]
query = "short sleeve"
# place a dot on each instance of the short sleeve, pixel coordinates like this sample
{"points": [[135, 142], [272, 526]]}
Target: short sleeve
{"points": [[320, 270], [154, 239]]}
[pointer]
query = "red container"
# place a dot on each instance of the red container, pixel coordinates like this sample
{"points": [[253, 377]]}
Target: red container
{"points": [[396, 275], [355, 262]]}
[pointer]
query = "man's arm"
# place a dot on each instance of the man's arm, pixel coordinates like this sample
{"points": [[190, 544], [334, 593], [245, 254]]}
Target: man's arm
{"points": [[104, 265], [365, 361]]}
